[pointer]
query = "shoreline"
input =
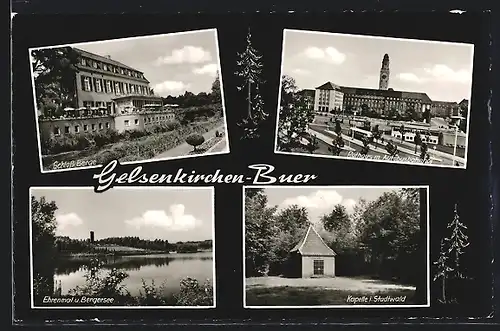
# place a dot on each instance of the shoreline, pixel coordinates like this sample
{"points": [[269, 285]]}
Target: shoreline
{"points": [[124, 253]]}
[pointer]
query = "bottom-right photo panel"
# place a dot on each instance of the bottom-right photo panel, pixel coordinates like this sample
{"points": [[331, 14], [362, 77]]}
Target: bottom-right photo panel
{"points": [[336, 246]]}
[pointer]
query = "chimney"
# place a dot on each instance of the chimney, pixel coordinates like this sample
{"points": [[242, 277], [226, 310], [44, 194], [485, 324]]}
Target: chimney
{"points": [[91, 237]]}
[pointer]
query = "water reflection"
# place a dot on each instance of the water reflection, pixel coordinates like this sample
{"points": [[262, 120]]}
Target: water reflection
{"points": [[166, 269]]}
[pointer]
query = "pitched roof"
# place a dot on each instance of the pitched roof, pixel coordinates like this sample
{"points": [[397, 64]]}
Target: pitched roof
{"points": [[104, 59], [312, 245], [328, 86]]}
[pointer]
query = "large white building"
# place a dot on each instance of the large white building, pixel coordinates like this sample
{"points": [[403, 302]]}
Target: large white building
{"points": [[328, 97]]}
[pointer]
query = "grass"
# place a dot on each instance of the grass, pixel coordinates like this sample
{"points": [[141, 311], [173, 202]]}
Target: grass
{"points": [[307, 296]]}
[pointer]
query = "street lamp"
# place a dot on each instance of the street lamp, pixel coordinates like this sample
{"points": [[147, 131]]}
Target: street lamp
{"points": [[455, 146]]}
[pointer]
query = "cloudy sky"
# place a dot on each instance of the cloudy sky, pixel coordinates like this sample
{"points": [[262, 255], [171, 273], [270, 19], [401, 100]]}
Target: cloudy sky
{"points": [[150, 213], [173, 63], [442, 70], [320, 200]]}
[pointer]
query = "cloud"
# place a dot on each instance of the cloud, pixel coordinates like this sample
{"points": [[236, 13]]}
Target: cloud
{"points": [[299, 71], [329, 54], [208, 69], [349, 205], [321, 199], [187, 54], [68, 220], [177, 220], [445, 73], [409, 77], [438, 72], [170, 86]]}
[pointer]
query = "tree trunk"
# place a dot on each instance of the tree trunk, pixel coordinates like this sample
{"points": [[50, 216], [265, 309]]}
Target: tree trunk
{"points": [[443, 289], [249, 100]]}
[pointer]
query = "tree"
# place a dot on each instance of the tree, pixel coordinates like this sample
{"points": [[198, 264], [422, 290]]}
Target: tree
{"points": [[442, 269], [216, 94], [402, 130], [338, 127], [391, 233], [339, 223], [250, 71], [260, 231], [337, 145], [377, 134], [294, 116], [417, 140], [43, 222], [365, 149], [364, 110], [427, 115], [291, 223], [393, 112], [457, 242], [391, 148], [195, 140], [424, 154], [54, 71], [312, 144]]}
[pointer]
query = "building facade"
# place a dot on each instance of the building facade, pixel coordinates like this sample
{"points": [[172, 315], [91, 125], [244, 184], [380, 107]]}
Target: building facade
{"points": [[109, 96], [311, 257], [100, 79], [383, 101], [444, 108], [328, 97]]}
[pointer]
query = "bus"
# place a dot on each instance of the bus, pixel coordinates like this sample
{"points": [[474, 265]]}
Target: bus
{"points": [[360, 134]]}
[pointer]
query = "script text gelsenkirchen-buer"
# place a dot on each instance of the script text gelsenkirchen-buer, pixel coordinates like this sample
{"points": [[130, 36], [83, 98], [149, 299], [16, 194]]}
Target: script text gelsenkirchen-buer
{"points": [[263, 174]]}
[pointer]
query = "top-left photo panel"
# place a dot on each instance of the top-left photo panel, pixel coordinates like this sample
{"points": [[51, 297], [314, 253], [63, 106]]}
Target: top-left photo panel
{"points": [[141, 99]]}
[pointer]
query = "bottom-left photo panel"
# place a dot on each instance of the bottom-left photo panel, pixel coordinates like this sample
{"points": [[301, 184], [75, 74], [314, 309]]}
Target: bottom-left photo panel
{"points": [[128, 247]]}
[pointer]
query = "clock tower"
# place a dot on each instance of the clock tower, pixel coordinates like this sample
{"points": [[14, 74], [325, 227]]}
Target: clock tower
{"points": [[384, 74]]}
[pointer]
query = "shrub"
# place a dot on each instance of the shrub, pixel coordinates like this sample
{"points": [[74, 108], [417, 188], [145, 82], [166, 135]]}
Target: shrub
{"points": [[195, 294], [101, 284], [217, 133], [195, 140]]}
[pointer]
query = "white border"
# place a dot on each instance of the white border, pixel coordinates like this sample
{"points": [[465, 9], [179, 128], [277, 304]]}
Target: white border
{"points": [[428, 292], [276, 151], [226, 135], [187, 188]]}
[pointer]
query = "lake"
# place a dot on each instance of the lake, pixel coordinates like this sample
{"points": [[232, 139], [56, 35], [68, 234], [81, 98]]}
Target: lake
{"points": [[166, 269]]}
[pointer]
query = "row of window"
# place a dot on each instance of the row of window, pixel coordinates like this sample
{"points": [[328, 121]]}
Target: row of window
{"points": [[111, 68], [99, 85], [150, 120], [90, 104], [77, 128]]}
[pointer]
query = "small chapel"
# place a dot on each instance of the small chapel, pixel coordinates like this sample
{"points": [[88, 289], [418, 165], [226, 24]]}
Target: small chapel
{"points": [[311, 257]]}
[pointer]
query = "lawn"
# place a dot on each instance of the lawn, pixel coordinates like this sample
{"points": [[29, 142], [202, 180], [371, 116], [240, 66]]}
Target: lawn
{"points": [[316, 296], [279, 291]]}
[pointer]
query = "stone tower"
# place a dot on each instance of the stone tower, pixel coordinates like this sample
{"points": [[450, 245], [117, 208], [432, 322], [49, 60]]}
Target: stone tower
{"points": [[383, 83], [92, 237]]}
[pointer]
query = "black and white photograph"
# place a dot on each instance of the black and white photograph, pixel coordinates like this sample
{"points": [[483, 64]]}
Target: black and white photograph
{"points": [[93, 250], [336, 247], [374, 98], [104, 100]]}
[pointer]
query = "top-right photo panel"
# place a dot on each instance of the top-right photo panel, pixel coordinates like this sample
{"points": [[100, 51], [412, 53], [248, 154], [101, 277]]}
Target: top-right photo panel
{"points": [[375, 99]]}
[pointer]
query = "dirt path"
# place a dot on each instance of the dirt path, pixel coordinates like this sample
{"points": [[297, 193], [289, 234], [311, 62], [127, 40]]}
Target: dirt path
{"points": [[184, 148], [337, 283]]}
